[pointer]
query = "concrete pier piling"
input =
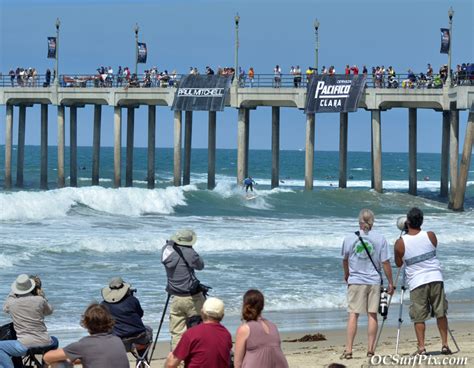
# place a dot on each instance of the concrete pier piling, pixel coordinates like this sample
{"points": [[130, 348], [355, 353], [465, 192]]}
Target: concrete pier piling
{"points": [[8, 146], [178, 127], [130, 141], [44, 147], [242, 153], [309, 152], [117, 145], [61, 143], [247, 142], [453, 155], [188, 137], [73, 146], [211, 151], [343, 128], [21, 146], [444, 179], [151, 147], [412, 129], [377, 150], [96, 144], [275, 146]]}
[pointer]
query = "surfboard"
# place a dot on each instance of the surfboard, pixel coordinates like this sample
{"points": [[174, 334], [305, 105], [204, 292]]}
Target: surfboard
{"points": [[250, 197]]}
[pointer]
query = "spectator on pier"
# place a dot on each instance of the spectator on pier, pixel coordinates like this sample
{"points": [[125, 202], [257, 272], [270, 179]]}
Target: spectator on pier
{"points": [[429, 71], [324, 70], [277, 76], [47, 81], [355, 70], [173, 78], [119, 76], [242, 77], [382, 73], [309, 73], [251, 75], [297, 76], [443, 73], [11, 73], [364, 70], [347, 70], [209, 71], [332, 70]]}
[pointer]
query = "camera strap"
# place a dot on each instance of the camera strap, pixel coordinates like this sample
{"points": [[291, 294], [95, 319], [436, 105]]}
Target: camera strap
{"points": [[180, 253], [370, 257]]}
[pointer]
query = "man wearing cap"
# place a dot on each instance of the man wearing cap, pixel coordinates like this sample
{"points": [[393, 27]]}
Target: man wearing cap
{"points": [[205, 345], [127, 312], [417, 250], [180, 260], [27, 309]]}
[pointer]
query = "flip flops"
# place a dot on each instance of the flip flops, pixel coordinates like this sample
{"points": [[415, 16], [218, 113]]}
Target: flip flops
{"points": [[419, 352], [346, 355], [445, 350]]}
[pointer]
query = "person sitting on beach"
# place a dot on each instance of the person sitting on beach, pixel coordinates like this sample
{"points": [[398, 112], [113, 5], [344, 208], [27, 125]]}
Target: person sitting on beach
{"points": [[27, 306], [180, 261], [206, 345], [258, 341], [364, 253], [100, 349], [249, 182], [417, 250], [127, 313]]}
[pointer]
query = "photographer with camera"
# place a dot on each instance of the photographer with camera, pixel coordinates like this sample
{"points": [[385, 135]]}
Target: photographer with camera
{"points": [[27, 305], [365, 253], [127, 312], [180, 261], [417, 250]]}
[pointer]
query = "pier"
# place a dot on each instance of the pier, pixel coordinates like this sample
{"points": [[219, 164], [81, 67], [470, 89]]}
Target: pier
{"points": [[74, 93]]}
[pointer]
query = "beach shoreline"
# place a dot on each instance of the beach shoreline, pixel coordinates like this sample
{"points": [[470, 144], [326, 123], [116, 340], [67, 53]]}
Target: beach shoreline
{"points": [[322, 353]]}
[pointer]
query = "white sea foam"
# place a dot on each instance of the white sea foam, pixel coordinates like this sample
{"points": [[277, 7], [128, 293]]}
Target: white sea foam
{"points": [[5, 261], [123, 201]]}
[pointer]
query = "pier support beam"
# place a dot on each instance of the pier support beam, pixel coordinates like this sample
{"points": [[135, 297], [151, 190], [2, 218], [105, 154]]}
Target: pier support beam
{"points": [[21, 146], [178, 127], [377, 150], [458, 202], [343, 127], [117, 145], [96, 144], [211, 151], [247, 142], [61, 139], [309, 159], [73, 146], [242, 148], [444, 179], [275, 146], [44, 147], [151, 146], [8, 146], [188, 133], [453, 154], [130, 139], [412, 179]]}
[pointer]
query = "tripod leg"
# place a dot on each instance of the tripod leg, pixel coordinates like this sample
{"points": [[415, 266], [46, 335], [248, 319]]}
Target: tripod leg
{"points": [[159, 327], [400, 320], [454, 340]]}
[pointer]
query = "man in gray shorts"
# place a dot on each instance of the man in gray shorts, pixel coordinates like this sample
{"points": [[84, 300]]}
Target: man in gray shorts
{"points": [[417, 250], [363, 279]]}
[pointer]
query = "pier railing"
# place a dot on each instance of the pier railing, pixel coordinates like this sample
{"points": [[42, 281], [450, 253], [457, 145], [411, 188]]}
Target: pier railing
{"points": [[259, 80]]}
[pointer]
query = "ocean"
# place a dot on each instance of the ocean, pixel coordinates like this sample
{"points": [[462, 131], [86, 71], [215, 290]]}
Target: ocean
{"points": [[286, 242]]}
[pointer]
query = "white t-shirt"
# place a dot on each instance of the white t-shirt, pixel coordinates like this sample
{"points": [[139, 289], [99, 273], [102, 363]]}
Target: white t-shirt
{"points": [[361, 269]]}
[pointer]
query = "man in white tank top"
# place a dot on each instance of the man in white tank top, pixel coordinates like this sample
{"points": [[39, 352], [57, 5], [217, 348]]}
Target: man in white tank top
{"points": [[417, 250]]}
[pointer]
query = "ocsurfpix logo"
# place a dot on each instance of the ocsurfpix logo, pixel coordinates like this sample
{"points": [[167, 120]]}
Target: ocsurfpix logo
{"points": [[331, 95], [200, 92], [417, 360]]}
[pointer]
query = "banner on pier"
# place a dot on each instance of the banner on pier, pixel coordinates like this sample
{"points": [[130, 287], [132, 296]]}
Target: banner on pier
{"points": [[201, 93], [334, 93], [445, 41], [51, 47], [142, 53]]}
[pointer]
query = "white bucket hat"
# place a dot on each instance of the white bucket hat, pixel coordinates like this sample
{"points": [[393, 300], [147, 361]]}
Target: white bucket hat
{"points": [[23, 285], [185, 237], [116, 290]]}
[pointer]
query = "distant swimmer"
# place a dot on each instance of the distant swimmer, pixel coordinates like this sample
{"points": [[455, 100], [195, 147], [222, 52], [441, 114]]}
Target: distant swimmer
{"points": [[426, 178], [249, 182]]}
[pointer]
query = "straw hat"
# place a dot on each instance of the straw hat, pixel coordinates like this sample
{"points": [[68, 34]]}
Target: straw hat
{"points": [[214, 308], [116, 290], [184, 237], [23, 285]]}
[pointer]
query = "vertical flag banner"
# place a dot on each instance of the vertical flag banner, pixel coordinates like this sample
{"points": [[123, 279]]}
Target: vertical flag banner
{"points": [[142, 53], [445, 41], [51, 47]]}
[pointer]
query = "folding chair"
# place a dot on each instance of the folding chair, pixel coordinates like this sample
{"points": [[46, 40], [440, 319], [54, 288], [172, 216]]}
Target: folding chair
{"points": [[30, 360], [139, 346]]}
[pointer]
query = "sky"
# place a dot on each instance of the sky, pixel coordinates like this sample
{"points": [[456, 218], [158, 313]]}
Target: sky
{"points": [[184, 33]]}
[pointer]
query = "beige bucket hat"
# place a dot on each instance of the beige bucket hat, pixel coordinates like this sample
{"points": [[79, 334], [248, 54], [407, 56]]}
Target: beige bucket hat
{"points": [[23, 284], [116, 290], [185, 237]]}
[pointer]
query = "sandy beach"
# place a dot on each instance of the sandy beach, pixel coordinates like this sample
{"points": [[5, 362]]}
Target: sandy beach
{"points": [[322, 353]]}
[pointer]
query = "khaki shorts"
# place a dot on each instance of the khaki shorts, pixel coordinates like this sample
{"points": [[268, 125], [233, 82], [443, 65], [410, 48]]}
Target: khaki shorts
{"points": [[363, 298], [427, 301]]}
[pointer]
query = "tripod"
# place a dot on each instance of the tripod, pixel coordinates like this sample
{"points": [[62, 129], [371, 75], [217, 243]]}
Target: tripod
{"points": [[159, 327], [400, 320]]}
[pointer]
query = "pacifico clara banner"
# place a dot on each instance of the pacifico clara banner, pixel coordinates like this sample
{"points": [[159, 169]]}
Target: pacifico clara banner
{"points": [[201, 93], [334, 93], [445, 41], [51, 47], [142, 53]]}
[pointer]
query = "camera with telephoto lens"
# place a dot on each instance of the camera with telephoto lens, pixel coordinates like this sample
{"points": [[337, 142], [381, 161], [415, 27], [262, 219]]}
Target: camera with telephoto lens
{"points": [[37, 290], [402, 224]]}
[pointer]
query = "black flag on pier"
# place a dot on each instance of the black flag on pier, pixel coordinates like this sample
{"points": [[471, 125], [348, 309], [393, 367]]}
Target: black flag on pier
{"points": [[201, 93], [334, 93], [51, 47], [445, 41], [142, 53]]}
